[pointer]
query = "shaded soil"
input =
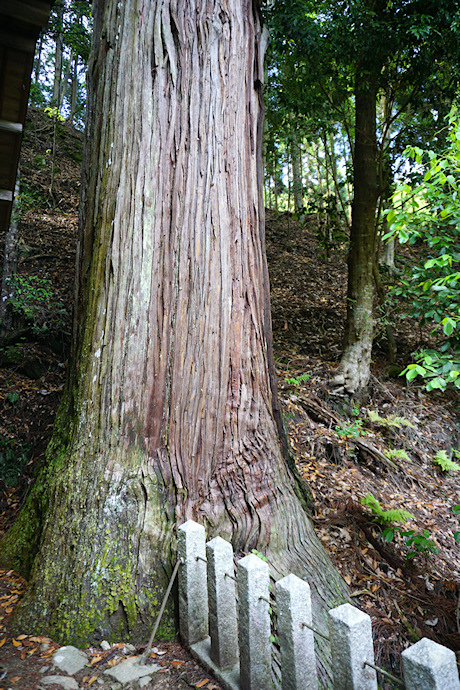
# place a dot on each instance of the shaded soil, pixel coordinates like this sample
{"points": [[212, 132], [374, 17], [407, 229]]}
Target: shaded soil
{"points": [[341, 449]]}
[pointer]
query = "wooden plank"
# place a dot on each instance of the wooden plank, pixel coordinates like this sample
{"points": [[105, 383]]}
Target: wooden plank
{"points": [[36, 13], [17, 42], [15, 127]]}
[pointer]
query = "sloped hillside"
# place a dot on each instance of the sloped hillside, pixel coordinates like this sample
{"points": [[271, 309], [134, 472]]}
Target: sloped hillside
{"points": [[380, 447]]}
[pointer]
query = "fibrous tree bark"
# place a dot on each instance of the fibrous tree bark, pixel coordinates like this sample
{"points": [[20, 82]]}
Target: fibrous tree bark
{"points": [[171, 410], [355, 362]]}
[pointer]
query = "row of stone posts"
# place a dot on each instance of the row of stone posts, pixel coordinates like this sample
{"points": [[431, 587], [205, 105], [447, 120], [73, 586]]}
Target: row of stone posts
{"points": [[225, 620]]}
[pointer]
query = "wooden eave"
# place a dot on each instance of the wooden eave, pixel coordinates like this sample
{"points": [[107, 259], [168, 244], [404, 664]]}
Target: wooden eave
{"points": [[20, 24]]}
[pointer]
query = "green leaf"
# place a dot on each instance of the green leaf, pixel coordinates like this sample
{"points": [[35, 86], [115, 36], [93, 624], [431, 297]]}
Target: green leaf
{"points": [[448, 325]]}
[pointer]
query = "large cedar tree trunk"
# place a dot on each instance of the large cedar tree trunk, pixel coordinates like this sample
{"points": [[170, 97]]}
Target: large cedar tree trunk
{"points": [[171, 410], [354, 370]]}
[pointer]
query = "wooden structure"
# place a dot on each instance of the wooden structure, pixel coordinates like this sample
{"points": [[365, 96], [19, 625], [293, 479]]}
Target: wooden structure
{"points": [[20, 24]]}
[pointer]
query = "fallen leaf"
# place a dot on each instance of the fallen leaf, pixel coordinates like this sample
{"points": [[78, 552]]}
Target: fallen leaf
{"points": [[21, 637], [175, 663], [39, 638], [96, 660], [16, 643], [15, 679], [2, 642], [92, 680], [202, 683]]}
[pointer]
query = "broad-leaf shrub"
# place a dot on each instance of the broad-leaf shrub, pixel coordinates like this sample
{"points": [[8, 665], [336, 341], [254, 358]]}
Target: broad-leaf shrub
{"points": [[430, 213]]}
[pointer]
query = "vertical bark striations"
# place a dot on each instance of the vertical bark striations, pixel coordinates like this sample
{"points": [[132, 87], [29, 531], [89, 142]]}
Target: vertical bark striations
{"points": [[171, 411]]}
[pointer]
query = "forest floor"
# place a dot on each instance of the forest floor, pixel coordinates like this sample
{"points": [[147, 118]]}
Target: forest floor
{"points": [[342, 447]]}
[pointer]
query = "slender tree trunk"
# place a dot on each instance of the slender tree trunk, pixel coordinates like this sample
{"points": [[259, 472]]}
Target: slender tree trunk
{"points": [[320, 186], [329, 147], [10, 265], [355, 363], [297, 186], [171, 411], [275, 179], [73, 90], [347, 185], [38, 55], [387, 253], [57, 71], [65, 83], [387, 256]]}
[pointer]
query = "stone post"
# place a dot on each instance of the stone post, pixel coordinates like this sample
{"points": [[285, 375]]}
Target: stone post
{"points": [[297, 644], [428, 665], [223, 626], [254, 623], [350, 632], [193, 591]]}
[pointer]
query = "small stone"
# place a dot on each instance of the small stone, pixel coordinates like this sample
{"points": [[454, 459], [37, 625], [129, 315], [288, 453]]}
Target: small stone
{"points": [[116, 686], [69, 659], [142, 682], [131, 669], [44, 669], [44, 646], [64, 681], [105, 646], [129, 648]]}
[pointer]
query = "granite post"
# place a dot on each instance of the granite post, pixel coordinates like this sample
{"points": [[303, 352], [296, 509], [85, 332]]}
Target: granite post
{"points": [[428, 665], [223, 625], [193, 591], [254, 623], [297, 644], [350, 632]]}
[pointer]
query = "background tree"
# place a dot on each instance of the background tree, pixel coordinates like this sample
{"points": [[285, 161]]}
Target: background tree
{"points": [[368, 49], [58, 79], [171, 410]]}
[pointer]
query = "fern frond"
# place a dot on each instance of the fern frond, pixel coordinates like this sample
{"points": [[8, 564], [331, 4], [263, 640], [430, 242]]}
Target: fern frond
{"points": [[445, 463], [391, 420], [392, 515], [393, 453], [397, 515]]}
